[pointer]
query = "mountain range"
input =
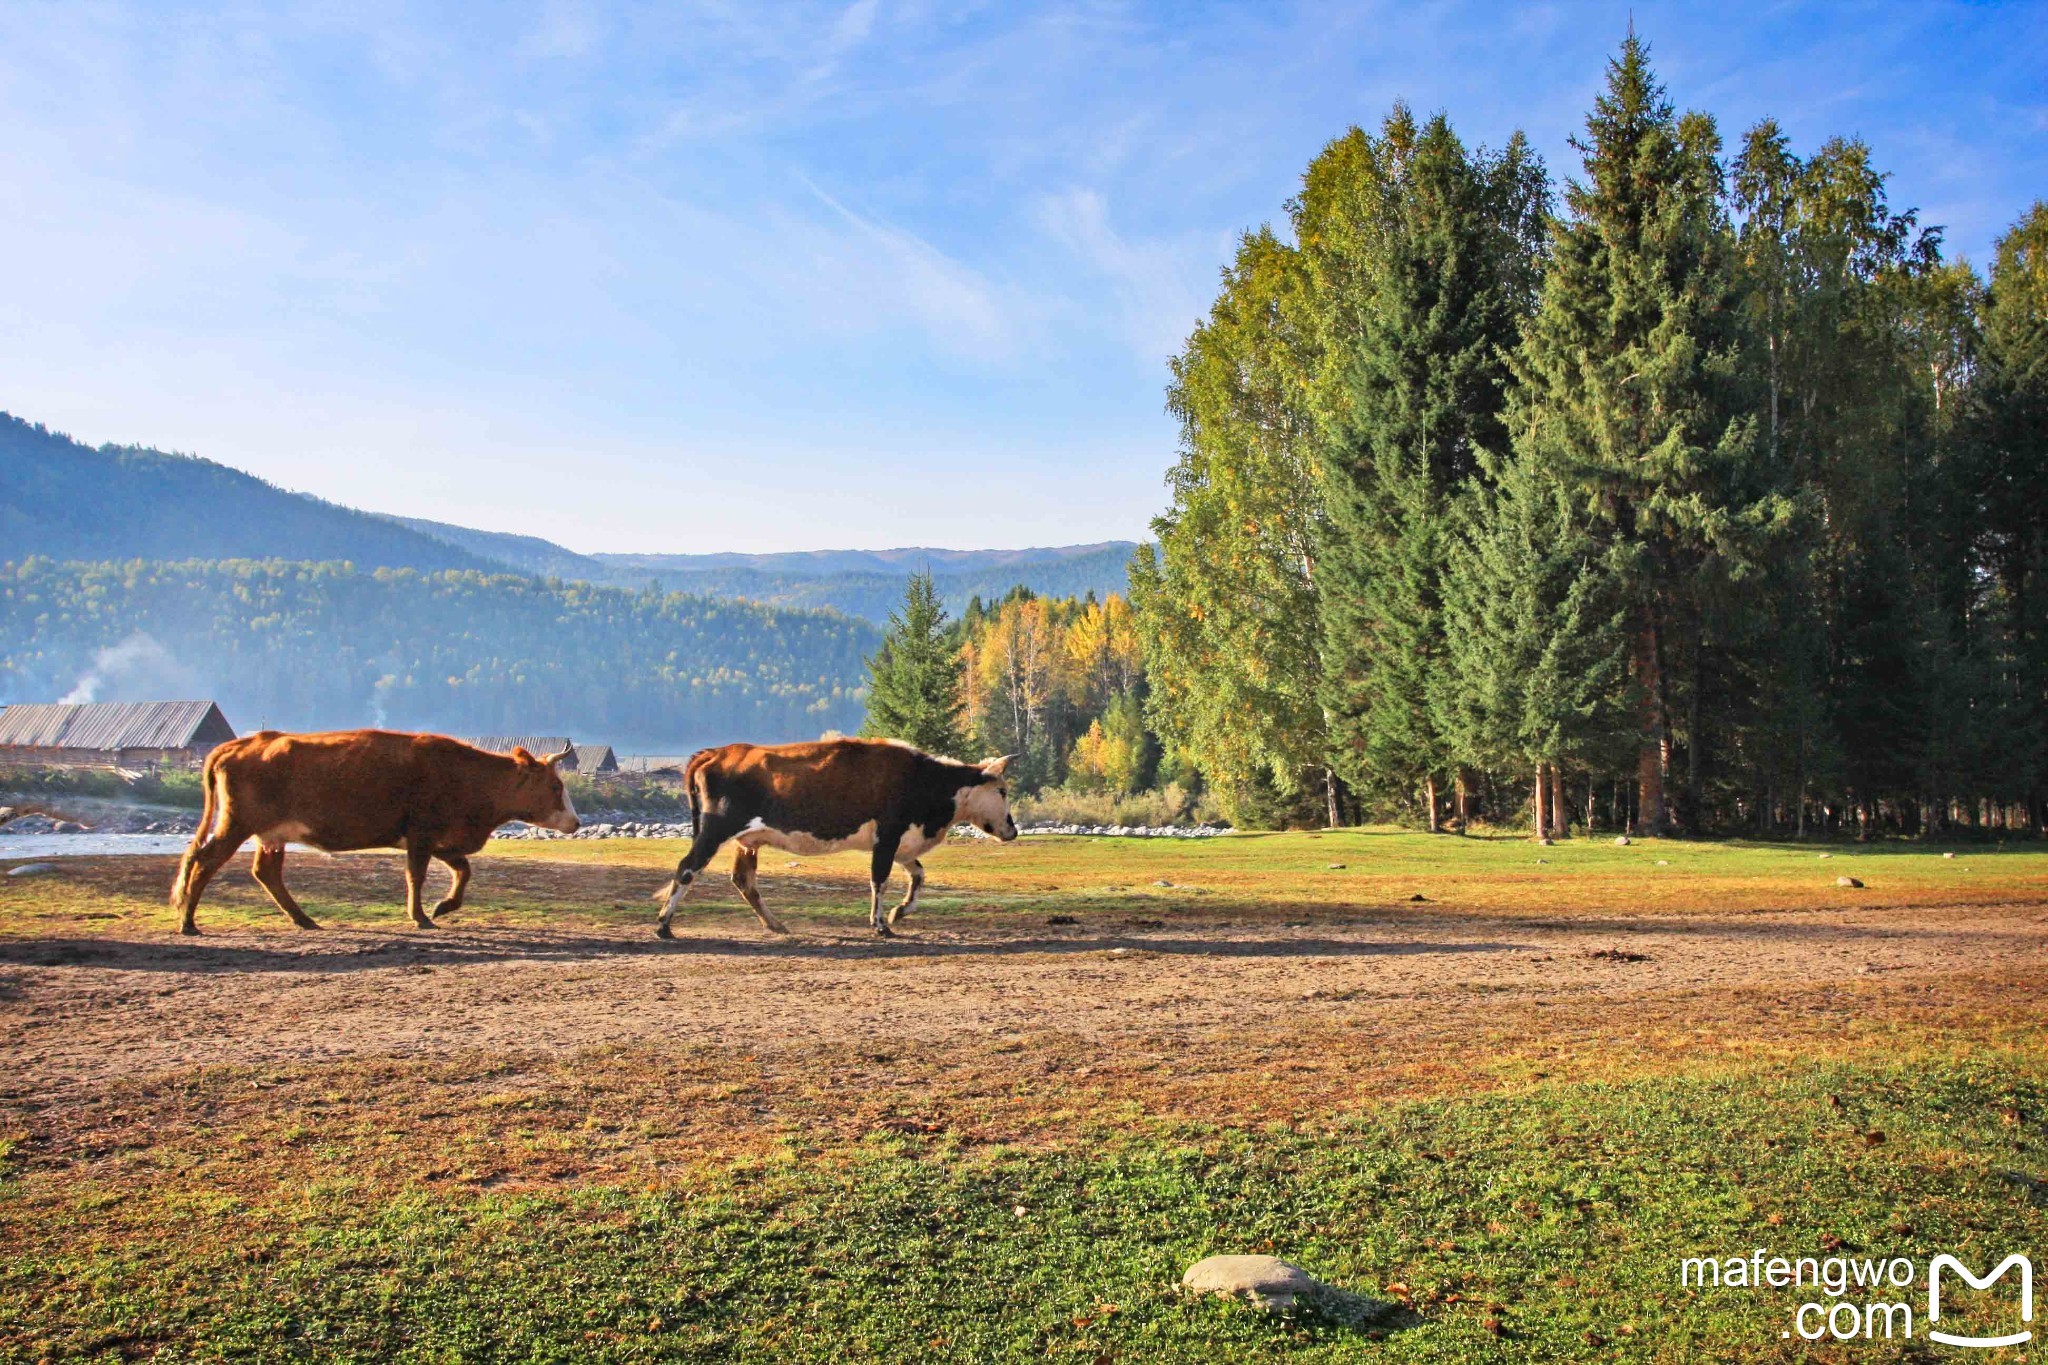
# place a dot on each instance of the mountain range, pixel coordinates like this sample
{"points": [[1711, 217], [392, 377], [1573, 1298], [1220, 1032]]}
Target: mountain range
{"points": [[64, 500]]}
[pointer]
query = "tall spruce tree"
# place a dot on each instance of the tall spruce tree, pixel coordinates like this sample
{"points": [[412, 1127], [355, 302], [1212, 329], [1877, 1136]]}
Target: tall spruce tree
{"points": [[2010, 477], [914, 678], [1425, 260], [1537, 614], [1631, 393]]}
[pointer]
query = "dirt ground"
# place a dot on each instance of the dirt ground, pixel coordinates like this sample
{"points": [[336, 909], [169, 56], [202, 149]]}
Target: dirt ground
{"points": [[84, 1011]]}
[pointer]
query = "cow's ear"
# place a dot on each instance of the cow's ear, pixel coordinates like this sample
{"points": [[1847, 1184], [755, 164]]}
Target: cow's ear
{"points": [[996, 767], [519, 753]]}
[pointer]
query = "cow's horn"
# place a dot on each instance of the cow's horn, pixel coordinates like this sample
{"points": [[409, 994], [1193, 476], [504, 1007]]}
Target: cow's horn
{"points": [[553, 759]]}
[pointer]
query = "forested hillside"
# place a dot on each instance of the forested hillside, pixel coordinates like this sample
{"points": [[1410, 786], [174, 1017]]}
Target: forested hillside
{"points": [[1704, 494], [526, 554], [68, 500], [297, 645]]}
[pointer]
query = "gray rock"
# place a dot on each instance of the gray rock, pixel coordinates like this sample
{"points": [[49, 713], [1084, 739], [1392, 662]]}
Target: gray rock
{"points": [[32, 870], [1948, 855], [67, 827], [1621, 841], [1847, 881], [1276, 1286]]}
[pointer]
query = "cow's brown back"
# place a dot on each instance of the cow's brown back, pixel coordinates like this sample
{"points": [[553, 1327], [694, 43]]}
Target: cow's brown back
{"points": [[352, 789]]}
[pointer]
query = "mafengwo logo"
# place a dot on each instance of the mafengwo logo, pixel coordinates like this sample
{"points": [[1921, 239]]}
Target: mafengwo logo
{"points": [[1860, 1303], [1941, 1263]]}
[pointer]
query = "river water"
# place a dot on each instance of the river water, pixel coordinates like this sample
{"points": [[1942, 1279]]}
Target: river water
{"points": [[42, 846]]}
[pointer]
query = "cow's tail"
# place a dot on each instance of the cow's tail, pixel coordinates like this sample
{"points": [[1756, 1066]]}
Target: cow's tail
{"points": [[209, 807], [693, 789]]}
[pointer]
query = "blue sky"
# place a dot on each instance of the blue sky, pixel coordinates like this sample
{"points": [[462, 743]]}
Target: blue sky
{"points": [[683, 277]]}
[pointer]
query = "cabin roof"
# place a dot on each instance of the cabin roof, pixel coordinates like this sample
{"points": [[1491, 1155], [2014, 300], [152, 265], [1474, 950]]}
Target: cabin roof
{"points": [[112, 725]]}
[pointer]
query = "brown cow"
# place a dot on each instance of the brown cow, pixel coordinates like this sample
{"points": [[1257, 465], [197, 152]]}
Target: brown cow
{"points": [[877, 795], [432, 796]]}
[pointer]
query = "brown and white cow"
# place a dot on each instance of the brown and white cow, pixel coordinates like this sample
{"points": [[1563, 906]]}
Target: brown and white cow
{"points": [[432, 796], [876, 795]]}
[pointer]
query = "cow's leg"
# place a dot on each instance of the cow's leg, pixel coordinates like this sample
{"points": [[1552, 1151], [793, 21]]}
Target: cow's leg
{"points": [[205, 858], [452, 902], [712, 831], [417, 859], [268, 870], [744, 862], [909, 901], [886, 843]]}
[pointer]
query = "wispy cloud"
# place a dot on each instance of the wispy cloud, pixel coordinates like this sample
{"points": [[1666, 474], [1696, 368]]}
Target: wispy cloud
{"points": [[1157, 286], [954, 302]]}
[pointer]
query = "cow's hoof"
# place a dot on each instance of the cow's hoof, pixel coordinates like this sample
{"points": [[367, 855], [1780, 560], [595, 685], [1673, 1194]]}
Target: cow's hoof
{"points": [[884, 931], [663, 931], [189, 930], [424, 924]]}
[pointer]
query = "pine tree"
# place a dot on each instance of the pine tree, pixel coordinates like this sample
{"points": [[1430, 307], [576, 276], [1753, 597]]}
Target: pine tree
{"points": [[1425, 260], [2010, 477], [1631, 393], [1536, 614], [914, 678]]}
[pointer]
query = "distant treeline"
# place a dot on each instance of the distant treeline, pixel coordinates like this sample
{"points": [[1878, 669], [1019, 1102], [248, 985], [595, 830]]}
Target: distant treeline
{"points": [[318, 645], [872, 595], [1712, 496]]}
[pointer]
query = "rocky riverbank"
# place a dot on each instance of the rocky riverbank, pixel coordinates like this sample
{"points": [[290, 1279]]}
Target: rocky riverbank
{"points": [[115, 821]]}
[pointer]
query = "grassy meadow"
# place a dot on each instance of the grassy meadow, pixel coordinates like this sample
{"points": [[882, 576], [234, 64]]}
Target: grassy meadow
{"points": [[1515, 1159]]}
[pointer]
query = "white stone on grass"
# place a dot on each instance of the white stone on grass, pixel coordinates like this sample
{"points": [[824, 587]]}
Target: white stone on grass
{"points": [[1276, 1286]]}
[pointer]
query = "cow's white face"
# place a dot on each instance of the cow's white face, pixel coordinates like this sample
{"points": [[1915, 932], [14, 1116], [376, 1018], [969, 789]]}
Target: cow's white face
{"points": [[564, 820], [986, 804], [553, 807]]}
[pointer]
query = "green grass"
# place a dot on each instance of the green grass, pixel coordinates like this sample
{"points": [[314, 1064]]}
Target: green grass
{"points": [[1545, 1227], [26, 782], [1384, 868], [1281, 875]]}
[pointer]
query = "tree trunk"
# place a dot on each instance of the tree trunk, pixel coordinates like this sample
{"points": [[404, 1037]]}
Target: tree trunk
{"points": [[1560, 808], [1542, 825], [1464, 800], [1429, 795], [1330, 797], [1650, 758], [1695, 813]]}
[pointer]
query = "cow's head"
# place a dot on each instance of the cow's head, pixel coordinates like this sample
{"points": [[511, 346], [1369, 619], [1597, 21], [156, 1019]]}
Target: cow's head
{"points": [[986, 804], [544, 800]]}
